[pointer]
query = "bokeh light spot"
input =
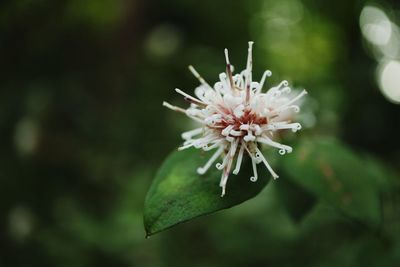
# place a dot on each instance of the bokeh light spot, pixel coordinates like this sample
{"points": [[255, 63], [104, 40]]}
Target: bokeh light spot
{"points": [[389, 80], [375, 25], [26, 136], [163, 41]]}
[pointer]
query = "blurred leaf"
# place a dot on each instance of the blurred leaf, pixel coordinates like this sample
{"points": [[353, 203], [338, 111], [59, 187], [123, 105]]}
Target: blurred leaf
{"points": [[100, 14], [297, 201], [384, 176], [179, 194], [333, 173]]}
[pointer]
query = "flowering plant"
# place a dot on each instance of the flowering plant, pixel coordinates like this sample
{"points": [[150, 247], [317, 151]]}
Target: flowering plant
{"points": [[236, 117]]}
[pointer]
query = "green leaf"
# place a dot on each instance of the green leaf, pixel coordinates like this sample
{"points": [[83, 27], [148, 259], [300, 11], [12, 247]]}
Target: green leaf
{"points": [[297, 201], [333, 173], [179, 194]]}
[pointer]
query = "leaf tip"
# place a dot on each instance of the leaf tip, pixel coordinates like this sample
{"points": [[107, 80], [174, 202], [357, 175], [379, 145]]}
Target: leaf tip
{"points": [[148, 232]]}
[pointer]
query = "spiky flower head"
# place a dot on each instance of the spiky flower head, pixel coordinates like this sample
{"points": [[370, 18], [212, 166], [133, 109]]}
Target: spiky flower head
{"points": [[236, 117]]}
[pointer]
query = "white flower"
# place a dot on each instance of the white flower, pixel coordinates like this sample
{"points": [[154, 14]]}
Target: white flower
{"points": [[235, 117]]}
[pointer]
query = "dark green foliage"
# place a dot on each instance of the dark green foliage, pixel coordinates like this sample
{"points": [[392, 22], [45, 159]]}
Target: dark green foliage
{"points": [[295, 199], [319, 169], [179, 194], [330, 171], [83, 133]]}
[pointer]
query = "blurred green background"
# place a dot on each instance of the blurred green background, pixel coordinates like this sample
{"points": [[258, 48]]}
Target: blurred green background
{"points": [[83, 130]]}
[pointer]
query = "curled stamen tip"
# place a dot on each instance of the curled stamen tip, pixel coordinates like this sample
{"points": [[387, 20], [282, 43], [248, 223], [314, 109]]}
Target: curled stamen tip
{"points": [[253, 179], [275, 176], [296, 127], [226, 56], [268, 73], [282, 151], [200, 171], [223, 191], [285, 83]]}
